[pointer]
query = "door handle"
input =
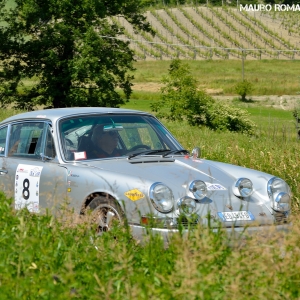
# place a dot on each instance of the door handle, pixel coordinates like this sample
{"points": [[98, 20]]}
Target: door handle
{"points": [[2, 171]]}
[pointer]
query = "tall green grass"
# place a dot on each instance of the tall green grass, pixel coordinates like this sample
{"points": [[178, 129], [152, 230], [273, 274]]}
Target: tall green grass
{"points": [[42, 258]]}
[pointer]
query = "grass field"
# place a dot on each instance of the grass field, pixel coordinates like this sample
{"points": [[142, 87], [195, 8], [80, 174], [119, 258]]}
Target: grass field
{"points": [[269, 77]]}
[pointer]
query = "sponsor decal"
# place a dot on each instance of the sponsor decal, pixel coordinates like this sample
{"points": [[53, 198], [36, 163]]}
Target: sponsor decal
{"points": [[215, 187], [22, 169], [134, 195], [79, 155], [71, 174], [35, 172], [197, 160]]}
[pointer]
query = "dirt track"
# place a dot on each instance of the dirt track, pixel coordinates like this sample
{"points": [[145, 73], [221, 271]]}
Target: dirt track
{"points": [[285, 102]]}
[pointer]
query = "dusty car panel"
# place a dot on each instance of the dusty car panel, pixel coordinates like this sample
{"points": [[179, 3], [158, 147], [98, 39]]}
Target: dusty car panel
{"points": [[52, 157]]}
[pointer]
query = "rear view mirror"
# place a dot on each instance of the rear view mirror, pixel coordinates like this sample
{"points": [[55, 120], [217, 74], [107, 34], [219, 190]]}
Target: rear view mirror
{"points": [[112, 127]]}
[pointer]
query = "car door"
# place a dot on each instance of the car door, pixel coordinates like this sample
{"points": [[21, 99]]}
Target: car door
{"points": [[30, 171], [6, 184]]}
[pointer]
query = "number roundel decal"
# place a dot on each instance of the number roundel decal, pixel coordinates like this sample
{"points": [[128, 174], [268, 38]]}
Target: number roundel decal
{"points": [[25, 192], [27, 187]]}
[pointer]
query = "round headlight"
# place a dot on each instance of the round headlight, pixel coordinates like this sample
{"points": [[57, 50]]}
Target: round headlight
{"points": [[282, 202], [279, 192], [198, 188], [186, 206], [243, 187], [276, 185], [161, 197]]}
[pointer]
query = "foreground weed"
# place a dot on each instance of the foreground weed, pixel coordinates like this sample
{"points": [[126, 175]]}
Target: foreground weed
{"points": [[41, 258]]}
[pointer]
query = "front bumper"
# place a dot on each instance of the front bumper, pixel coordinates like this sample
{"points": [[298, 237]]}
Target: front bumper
{"points": [[141, 232]]}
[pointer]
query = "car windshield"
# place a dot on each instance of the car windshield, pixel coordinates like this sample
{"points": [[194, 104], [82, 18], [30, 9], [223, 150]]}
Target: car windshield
{"points": [[115, 135]]}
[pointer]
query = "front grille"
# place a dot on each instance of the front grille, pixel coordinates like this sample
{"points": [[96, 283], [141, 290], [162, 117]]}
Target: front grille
{"points": [[171, 223], [187, 222]]}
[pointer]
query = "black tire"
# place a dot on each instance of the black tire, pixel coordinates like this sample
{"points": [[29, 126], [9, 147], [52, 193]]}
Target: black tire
{"points": [[105, 213]]}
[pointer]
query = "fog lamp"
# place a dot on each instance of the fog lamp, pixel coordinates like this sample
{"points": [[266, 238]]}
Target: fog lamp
{"points": [[186, 206]]}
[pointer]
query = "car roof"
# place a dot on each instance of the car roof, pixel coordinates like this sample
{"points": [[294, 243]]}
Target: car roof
{"points": [[57, 113]]}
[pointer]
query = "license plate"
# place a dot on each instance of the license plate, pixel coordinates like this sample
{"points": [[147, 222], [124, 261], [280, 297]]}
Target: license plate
{"points": [[231, 216]]}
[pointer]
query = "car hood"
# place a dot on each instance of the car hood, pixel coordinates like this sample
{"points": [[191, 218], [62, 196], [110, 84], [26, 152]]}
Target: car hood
{"points": [[179, 169]]}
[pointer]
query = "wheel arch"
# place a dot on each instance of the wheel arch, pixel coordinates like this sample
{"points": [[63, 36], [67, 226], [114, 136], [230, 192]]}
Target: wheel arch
{"points": [[92, 196]]}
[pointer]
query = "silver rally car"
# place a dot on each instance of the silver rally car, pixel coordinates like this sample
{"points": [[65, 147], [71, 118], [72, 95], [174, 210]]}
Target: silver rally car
{"points": [[52, 157]]}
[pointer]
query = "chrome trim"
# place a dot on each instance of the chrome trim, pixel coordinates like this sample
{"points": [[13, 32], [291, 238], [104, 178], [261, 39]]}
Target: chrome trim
{"points": [[269, 186]]}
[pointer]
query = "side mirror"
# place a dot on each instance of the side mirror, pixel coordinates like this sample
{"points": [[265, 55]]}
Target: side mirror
{"points": [[196, 152]]}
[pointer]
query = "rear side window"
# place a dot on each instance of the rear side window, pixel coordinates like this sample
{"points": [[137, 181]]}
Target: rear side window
{"points": [[3, 133], [49, 147], [26, 139]]}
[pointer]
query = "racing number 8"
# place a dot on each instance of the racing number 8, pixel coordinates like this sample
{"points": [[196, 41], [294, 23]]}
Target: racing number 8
{"points": [[25, 191]]}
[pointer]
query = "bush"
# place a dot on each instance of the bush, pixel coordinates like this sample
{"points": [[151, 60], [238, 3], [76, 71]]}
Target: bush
{"points": [[243, 89], [181, 100]]}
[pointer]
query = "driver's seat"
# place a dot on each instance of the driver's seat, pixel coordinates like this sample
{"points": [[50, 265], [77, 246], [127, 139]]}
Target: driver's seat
{"points": [[84, 143]]}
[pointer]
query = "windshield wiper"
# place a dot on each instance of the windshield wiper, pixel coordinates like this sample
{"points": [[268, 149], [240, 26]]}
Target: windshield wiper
{"points": [[181, 151], [148, 152]]}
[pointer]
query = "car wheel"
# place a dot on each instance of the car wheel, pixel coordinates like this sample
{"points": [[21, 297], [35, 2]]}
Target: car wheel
{"points": [[105, 214]]}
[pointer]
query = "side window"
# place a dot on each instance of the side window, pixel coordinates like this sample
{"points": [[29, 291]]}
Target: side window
{"points": [[49, 147], [25, 139], [3, 132]]}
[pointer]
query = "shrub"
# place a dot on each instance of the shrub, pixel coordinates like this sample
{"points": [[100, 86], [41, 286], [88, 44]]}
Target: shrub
{"points": [[228, 117], [243, 88], [181, 100]]}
